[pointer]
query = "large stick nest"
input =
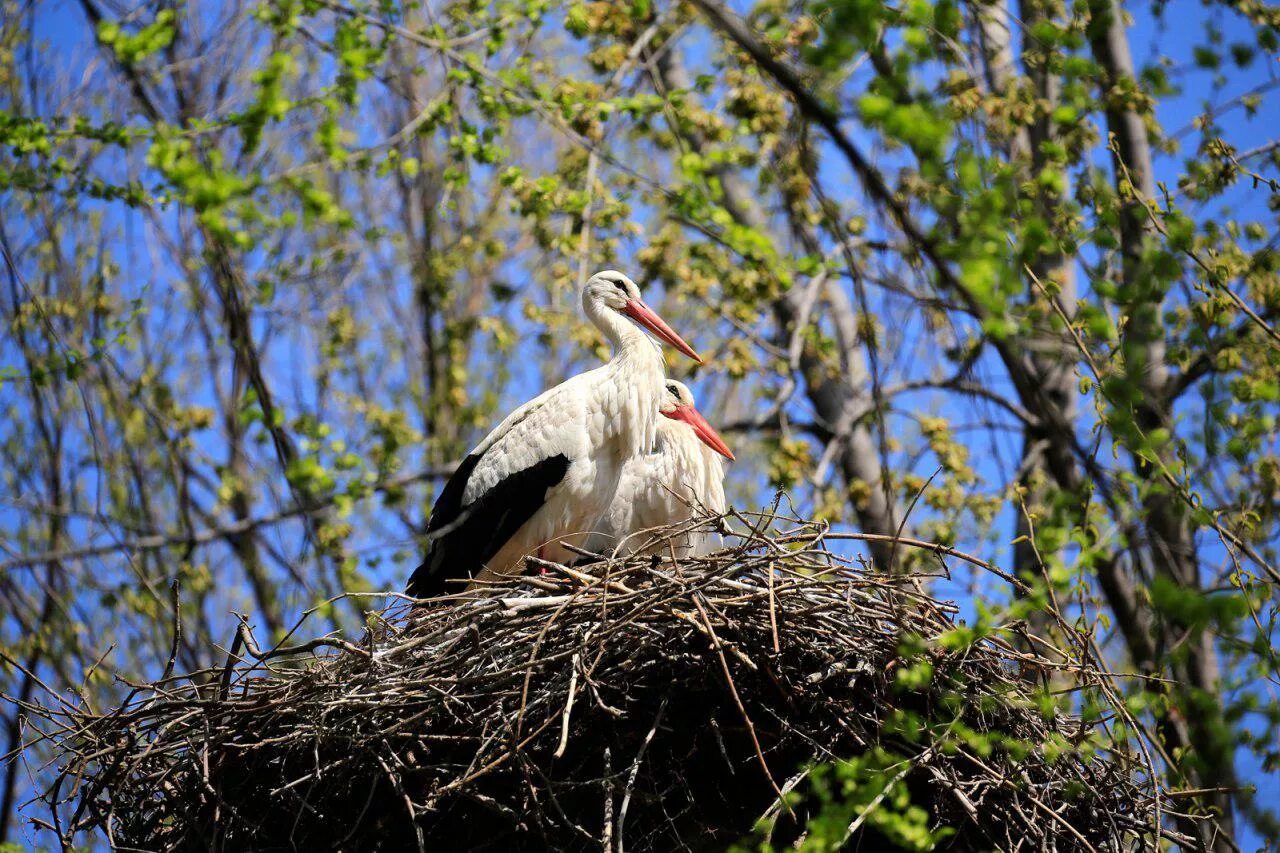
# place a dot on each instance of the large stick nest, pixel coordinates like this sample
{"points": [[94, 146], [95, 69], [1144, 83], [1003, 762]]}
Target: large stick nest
{"points": [[640, 703]]}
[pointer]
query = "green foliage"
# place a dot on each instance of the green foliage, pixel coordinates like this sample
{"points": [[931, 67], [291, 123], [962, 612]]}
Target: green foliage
{"points": [[133, 47], [865, 791], [867, 788]]}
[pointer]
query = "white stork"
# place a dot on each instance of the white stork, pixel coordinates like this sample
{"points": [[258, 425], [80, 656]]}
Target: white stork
{"points": [[548, 471], [682, 479]]}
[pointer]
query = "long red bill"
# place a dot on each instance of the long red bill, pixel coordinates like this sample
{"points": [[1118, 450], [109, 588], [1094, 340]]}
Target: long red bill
{"points": [[705, 431], [647, 317]]}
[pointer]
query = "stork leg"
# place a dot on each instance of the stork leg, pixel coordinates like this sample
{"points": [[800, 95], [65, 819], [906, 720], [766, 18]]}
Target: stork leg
{"points": [[542, 555]]}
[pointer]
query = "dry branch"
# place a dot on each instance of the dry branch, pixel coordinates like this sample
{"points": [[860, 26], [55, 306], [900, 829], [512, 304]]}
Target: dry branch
{"points": [[656, 710]]}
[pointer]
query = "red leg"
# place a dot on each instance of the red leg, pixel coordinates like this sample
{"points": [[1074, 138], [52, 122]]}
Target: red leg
{"points": [[542, 555]]}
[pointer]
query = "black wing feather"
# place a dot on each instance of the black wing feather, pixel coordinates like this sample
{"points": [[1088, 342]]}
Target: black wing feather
{"points": [[463, 539]]}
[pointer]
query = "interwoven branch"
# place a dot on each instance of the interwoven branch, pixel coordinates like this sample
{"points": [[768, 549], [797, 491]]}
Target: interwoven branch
{"points": [[687, 692]]}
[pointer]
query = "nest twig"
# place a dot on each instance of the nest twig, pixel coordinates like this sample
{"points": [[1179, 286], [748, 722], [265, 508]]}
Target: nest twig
{"points": [[638, 703]]}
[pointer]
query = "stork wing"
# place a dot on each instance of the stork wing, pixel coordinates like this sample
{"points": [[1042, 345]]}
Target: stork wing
{"points": [[556, 421], [501, 485], [462, 538]]}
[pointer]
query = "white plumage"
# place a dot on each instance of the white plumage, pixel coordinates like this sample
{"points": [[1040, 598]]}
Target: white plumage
{"points": [[683, 478], [548, 471]]}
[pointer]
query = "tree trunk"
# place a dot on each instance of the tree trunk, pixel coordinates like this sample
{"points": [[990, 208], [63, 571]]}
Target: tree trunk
{"points": [[840, 400], [1051, 276], [1171, 541]]}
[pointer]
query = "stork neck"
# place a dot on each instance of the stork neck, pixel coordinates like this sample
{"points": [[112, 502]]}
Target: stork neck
{"points": [[623, 335], [681, 446], [634, 384], [636, 357], [690, 463]]}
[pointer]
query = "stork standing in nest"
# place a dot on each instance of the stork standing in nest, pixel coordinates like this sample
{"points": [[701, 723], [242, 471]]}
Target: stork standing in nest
{"points": [[682, 479], [549, 471]]}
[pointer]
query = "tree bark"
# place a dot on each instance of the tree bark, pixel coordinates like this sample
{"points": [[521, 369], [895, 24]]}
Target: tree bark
{"points": [[1048, 361], [1171, 540]]}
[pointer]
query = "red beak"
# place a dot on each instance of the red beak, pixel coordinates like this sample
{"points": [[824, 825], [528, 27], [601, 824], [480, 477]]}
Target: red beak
{"points": [[645, 316], [704, 430]]}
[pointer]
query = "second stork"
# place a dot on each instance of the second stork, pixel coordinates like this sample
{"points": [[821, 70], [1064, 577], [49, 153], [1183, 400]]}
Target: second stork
{"points": [[681, 480]]}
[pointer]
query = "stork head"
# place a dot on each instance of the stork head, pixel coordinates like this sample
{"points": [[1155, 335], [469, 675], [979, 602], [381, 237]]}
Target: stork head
{"points": [[677, 404], [614, 291]]}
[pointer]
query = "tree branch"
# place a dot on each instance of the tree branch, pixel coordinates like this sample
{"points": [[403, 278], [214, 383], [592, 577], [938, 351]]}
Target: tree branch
{"points": [[200, 537]]}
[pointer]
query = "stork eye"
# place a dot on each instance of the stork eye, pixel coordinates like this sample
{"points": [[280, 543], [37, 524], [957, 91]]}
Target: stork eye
{"points": [[675, 392]]}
